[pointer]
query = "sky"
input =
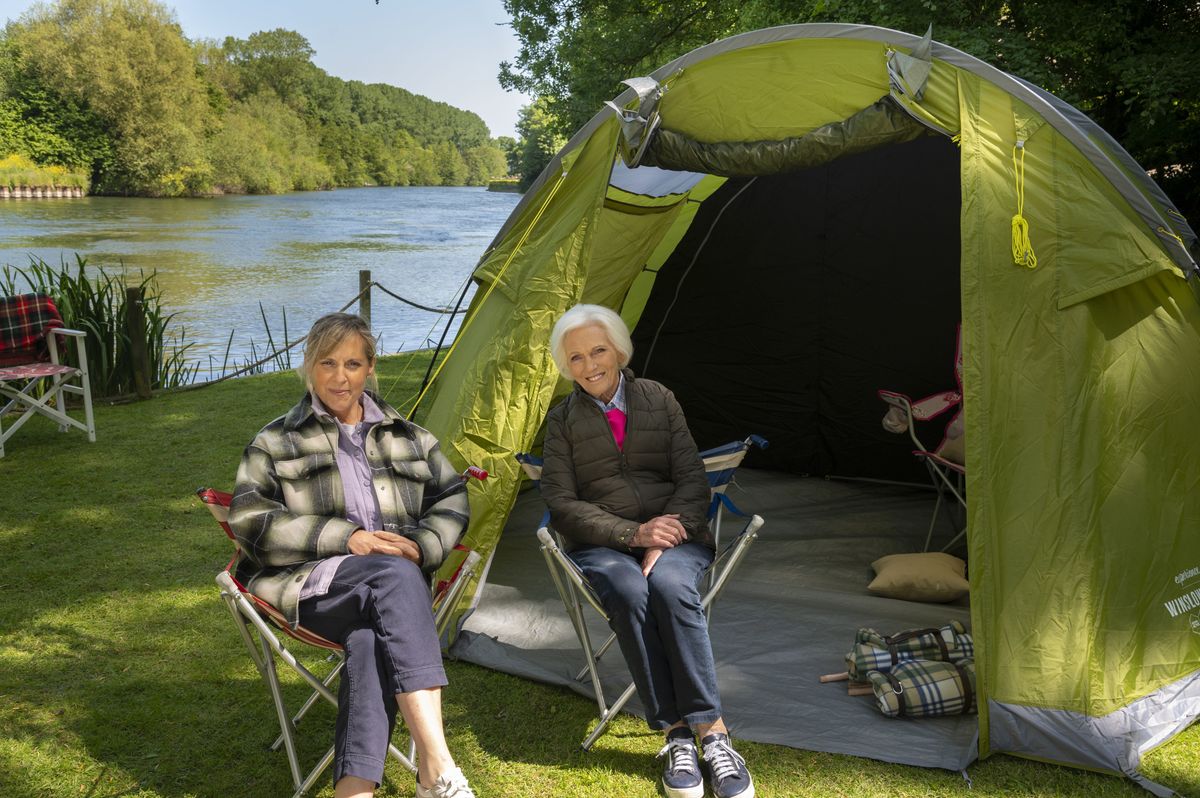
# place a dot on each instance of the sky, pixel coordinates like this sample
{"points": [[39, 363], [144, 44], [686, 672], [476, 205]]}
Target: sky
{"points": [[449, 51]]}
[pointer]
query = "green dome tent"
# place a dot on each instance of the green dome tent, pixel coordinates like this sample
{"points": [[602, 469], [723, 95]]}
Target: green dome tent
{"points": [[794, 217]]}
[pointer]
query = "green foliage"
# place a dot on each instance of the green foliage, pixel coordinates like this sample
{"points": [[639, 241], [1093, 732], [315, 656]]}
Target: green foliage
{"points": [[277, 61], [451, 168], [127, 62], [112, 88], [98, 307], [540, 140], [484, 163], [47, 128], [264, 147], [1131, 65], [512, 153]]}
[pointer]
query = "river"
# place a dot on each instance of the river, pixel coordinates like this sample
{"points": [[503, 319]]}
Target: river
{"points": [[218, 258]]}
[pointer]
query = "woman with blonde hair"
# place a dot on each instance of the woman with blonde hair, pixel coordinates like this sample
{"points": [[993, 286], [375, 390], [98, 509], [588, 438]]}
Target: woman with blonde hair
{"points": [[342, 508], [626, 489]]}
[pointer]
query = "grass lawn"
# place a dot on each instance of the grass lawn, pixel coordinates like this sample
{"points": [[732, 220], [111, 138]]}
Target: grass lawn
{"points": [[122, 675]]}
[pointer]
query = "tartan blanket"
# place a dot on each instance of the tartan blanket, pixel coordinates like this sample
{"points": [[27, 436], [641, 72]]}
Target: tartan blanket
{"points": [[24, 321], [925, 689], [873, 651]]}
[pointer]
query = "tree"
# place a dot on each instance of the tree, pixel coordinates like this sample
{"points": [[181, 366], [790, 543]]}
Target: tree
{"points": [[484, 163], [539, 140], [278, 60], [451, 168], [512, 152], [126, 62], [1130, 64]]}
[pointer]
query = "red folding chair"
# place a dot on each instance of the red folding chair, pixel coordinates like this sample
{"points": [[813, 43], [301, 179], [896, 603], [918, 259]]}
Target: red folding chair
{"points": [[946, 462], [256, 618], [32, 374]]}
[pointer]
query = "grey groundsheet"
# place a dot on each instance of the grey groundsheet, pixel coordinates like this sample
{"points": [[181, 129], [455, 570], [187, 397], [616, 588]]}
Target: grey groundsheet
{"points": [[788, 616]]}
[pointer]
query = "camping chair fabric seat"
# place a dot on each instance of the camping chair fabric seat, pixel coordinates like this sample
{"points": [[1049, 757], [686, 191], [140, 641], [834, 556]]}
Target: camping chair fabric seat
{"points": [[260, 626], [949, 456], [32, 375], [720, 465]]}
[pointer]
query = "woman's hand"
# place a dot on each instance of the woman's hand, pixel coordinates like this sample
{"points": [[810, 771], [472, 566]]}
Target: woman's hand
{"points": [[383, 542], [663, 531], [649, 558]]}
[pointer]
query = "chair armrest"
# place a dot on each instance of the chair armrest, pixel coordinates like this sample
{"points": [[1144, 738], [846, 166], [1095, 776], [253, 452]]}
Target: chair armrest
{"points": [[67, 331]]}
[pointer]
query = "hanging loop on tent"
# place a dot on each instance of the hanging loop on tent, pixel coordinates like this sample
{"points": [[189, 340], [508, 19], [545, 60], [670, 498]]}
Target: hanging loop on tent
{"points": [[1173, 235], [1022, 247], [495, 282]]}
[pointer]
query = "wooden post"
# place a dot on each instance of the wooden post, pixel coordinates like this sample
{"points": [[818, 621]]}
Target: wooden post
{"points": [[364, 301], [135, 328]]}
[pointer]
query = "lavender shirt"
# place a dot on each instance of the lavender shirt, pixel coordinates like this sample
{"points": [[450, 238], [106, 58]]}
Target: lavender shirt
{"points": [[362, 505]]}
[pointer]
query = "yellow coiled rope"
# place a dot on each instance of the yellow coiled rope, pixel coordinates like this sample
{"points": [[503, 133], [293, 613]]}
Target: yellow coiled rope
{"points": [[1022, 248]]}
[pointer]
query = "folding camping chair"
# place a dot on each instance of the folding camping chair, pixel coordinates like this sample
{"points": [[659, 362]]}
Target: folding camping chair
{"points": [[949, 456], [255, 617], [30, 364], [720, 466]]}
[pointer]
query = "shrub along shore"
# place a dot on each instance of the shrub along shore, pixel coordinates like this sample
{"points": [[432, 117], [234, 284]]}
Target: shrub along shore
{"points": [[121, 672]]}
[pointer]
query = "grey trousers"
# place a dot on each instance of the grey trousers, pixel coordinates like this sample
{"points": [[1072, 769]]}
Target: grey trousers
{"points": [[378, 609]]}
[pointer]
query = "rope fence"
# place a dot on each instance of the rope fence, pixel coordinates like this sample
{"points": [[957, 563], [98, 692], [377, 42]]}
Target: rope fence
{"points": [[362, 297]]}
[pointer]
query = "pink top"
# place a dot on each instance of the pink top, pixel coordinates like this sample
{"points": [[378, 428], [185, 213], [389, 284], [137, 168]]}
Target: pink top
{"points": [[616, 422]]}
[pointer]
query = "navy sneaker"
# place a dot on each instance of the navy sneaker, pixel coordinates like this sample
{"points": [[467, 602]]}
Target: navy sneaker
{"points": [[681, 772], [726, 768]]}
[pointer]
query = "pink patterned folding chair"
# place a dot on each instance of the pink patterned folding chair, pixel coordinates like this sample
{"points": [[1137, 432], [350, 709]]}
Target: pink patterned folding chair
{"points": [[946, 462], [262, 628], [32, 374]]}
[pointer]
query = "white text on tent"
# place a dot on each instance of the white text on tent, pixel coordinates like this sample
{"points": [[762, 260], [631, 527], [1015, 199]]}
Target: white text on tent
{"points": [[1188, 601]]}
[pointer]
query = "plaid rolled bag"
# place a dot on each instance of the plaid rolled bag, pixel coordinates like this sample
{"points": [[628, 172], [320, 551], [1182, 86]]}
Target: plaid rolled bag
{"points": [[875, 652], [925, 689]]}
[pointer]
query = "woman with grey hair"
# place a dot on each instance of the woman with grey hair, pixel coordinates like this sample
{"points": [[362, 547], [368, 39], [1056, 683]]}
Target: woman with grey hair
{"points": [[626, 489], [342, 508]]}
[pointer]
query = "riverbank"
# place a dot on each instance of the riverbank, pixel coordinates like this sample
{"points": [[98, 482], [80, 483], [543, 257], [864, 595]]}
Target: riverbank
{"points": [[301, 254], [122, 673]]}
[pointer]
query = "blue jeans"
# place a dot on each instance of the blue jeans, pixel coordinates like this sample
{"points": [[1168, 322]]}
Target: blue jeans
{"points": [[378, 608], [660, 628]]}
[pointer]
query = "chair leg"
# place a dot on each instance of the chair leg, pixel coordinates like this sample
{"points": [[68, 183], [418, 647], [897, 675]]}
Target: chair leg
{"points": [[574, 610], [285, 723], [718, 576], [606, 716], [312, 699], [85, 378], [937, 508]]}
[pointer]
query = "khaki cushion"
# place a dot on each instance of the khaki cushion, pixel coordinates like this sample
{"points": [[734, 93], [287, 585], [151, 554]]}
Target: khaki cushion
{"points": [[932, 576]]}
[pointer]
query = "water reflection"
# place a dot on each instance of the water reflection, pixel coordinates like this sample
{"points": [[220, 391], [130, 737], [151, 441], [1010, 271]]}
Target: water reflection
{"points": [[217, 259]]}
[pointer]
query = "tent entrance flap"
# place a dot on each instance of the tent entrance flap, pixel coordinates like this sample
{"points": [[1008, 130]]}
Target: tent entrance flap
{"points": [[817, 288]]}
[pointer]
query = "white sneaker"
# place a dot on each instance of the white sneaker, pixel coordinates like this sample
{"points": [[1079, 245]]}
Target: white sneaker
{"points": [[451, 784]]}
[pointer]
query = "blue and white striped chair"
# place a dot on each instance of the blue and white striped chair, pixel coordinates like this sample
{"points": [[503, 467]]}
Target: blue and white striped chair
{"points": [[720, 465]]}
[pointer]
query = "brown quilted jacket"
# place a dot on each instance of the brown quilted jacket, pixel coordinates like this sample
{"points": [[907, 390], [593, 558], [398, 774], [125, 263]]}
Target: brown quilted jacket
{"points": [[598, 495]]}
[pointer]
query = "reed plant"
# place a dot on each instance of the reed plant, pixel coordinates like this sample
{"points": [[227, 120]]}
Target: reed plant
{"points": [[98, 306]]}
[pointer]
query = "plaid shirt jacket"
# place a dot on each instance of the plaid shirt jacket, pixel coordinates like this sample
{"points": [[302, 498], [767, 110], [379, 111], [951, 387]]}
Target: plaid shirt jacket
{"points": [[289, 508]]}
